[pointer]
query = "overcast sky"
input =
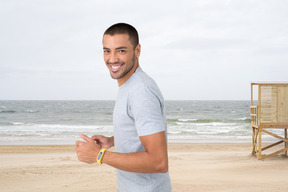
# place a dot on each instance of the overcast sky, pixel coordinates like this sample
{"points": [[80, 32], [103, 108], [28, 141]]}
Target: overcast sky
{"points": [[194, 50]]}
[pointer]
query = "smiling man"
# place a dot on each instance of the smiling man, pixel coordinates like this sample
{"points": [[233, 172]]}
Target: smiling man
{"points": [[140, 130]]}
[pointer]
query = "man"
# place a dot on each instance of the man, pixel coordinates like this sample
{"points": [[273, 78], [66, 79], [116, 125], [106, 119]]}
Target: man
{"points": [[140, 130]]}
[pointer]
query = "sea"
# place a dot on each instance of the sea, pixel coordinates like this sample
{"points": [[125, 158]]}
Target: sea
{"points": [[60, 122]]}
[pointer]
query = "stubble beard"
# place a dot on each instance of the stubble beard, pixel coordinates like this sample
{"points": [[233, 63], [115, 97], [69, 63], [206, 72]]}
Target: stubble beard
{"points": [[124, 72]]}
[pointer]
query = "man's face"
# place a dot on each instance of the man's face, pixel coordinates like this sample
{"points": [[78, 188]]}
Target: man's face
{"points": [[119, 54]]}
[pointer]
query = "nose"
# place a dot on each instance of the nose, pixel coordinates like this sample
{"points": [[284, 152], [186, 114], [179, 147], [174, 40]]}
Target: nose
{"points": [[113, 58]]}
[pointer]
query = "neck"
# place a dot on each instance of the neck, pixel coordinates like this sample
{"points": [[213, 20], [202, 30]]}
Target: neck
{"points": [[128, 75]]}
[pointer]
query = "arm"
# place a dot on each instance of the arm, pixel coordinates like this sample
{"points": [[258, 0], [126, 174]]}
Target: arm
{"points": [[153, 160]]}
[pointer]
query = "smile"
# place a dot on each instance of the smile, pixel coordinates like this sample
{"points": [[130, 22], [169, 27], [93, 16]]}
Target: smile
{"points": [[115, 67]]}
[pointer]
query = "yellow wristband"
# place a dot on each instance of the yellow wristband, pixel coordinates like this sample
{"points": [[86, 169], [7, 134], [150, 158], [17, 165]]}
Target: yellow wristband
{"points": [[100, 156]]}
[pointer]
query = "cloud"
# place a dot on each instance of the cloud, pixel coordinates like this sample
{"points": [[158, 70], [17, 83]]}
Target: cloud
{"points": [[187, 46]]}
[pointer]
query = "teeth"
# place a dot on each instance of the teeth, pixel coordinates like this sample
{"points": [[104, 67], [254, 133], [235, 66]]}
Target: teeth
{"points": [[115, 67]]}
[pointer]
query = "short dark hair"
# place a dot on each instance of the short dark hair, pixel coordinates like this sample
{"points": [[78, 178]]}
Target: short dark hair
{"points": [[124, 28]]}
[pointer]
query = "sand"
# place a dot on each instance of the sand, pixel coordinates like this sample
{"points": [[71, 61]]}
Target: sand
{"points": [[193, 167]]}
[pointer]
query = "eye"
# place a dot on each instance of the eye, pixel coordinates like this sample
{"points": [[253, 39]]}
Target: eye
{"points": [[122, 51], [106, 51]]}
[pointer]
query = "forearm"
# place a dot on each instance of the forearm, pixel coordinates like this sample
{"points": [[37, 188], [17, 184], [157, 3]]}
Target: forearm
{"points": [[153, 160], [111, 141], [140, 162]]}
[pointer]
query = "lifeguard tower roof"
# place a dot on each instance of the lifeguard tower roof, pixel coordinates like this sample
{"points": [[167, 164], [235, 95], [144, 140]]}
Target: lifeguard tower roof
{"points": [[268, 82]]}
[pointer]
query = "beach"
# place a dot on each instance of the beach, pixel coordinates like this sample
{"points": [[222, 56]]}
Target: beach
{"points": [[193, 167]]}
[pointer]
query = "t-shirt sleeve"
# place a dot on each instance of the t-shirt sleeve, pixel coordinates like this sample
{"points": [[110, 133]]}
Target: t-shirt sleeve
{"points": [[147, 111]]}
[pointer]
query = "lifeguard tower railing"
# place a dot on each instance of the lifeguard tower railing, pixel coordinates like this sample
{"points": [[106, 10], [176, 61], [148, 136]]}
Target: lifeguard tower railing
{"points": [[271, 112]]}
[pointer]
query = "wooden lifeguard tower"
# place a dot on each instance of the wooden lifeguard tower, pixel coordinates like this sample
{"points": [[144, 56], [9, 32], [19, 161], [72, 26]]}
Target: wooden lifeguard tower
{"points": [[271, 112]]}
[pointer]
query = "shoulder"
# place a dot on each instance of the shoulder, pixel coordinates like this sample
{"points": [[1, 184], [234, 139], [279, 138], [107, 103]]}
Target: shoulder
{"points": [[140, 78], [144, 86]]}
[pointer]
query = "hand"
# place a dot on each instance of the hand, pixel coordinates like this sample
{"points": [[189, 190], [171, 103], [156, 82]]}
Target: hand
{"points": [[87, 151], [103, 142]]}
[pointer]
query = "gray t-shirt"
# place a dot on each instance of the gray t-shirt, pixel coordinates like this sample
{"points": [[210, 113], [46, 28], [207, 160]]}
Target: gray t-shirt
{"points": [[139, 111]]}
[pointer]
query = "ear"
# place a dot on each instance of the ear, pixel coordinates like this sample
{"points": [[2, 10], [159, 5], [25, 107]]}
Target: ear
{"points": [[138, 50]]}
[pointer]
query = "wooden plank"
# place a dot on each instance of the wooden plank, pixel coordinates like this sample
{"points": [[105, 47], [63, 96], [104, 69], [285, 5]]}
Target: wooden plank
{"points": [[254, 140], [266, 106], [270, 83], [259, 144], [251, 94], [274, 125], [274, 135], [275, 153], [259, 103], [272, 145], [286, 143]]}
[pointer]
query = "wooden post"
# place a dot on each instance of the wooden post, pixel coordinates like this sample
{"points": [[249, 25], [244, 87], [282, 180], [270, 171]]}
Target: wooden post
{"points": [[253, 129], [259, 105], [253, 140], [259, 119], [286, 143], [251, 94], [260, 143]]}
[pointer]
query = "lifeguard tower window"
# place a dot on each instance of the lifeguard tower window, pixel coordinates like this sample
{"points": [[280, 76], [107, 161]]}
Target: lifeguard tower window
{"points": [[269, 111]]}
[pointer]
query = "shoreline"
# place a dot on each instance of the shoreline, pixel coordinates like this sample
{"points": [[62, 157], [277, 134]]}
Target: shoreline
{"points": [[70, 148], [170, 141]]}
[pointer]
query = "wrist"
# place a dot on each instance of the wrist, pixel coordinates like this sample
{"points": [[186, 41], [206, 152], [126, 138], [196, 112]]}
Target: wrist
{"points": [[100, 156], [111, 141]]}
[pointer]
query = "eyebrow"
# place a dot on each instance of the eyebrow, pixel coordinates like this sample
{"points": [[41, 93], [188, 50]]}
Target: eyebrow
{"points": [[121, 48], [117, 48]]}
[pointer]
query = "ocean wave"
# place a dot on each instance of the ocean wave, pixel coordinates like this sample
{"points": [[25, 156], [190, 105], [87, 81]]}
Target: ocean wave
{"points": [[8, 111], [17, 123], [68, 127], [191, 121], [187, 120], [26, 111], [199, 120], [53, 127], [36, 134], [32, 111], [194, 120], [233, 131], [172, 120], [243, 119], [174, 132], [208, 120]]}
